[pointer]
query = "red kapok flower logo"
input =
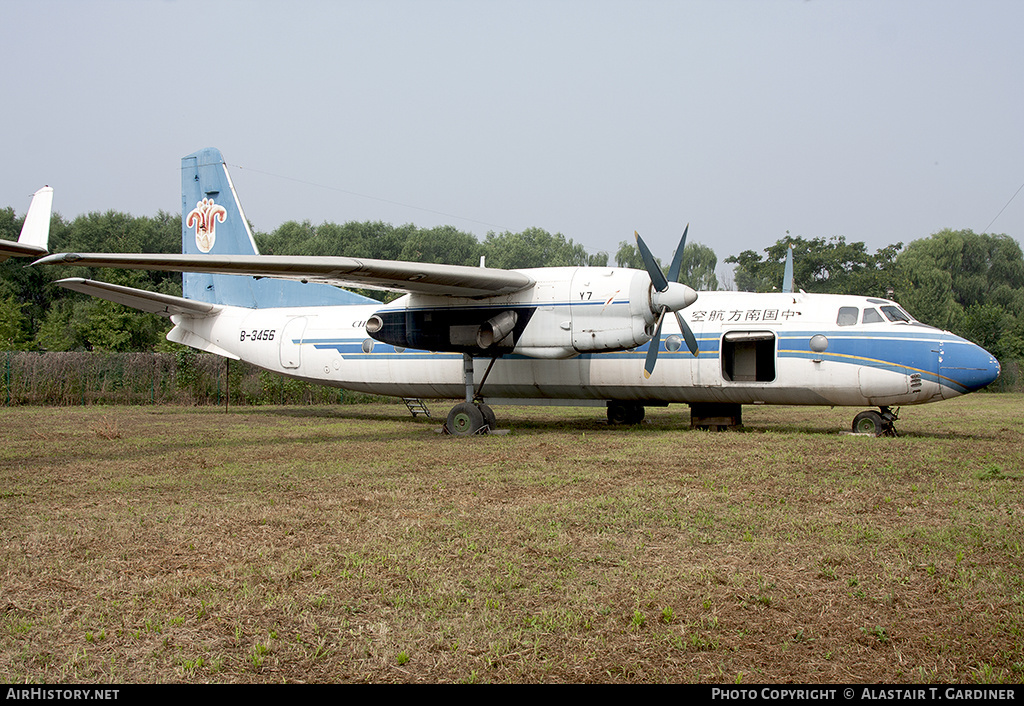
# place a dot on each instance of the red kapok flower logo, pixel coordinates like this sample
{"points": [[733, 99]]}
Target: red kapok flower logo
{"points": [[204, 218]]}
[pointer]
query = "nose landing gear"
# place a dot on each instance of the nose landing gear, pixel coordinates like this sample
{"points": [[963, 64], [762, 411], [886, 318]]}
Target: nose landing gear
{"points": [[872, 423]]}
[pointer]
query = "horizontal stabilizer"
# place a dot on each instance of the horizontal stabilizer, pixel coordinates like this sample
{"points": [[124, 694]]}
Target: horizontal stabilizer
{"points": [[419, 277], [151, 302], [9, 248]]}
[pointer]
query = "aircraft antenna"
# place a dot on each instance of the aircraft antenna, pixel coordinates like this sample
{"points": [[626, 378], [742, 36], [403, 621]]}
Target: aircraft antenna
{"points": [[1003, 208]]}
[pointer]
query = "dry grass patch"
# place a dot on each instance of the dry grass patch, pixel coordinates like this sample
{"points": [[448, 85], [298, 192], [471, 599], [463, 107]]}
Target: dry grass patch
{"points": [[354, 544]]}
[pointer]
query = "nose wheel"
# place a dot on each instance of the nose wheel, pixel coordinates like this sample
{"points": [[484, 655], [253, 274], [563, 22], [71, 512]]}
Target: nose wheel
{"points": [[872, 423]]}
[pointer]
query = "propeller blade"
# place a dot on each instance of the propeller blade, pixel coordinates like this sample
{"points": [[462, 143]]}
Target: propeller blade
{"points": [[677, 259], [691, 340], [670, 296], [652, 349], [657, 276]]}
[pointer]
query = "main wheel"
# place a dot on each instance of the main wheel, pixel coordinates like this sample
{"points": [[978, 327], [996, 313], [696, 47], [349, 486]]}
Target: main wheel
{"points": [[489, 419], [637, 414], [868, 422], [625, 413], [465, 419]]}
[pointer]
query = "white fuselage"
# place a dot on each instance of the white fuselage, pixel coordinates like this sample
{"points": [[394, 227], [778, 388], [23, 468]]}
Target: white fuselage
{"points": [[587, 338]]}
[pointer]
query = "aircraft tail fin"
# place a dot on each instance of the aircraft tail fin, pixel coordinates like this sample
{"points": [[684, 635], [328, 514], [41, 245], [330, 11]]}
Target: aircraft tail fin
{"points": [[212, 221]]}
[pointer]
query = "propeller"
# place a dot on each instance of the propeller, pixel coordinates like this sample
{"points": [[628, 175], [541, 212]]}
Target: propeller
{"points": [[669, 295]]}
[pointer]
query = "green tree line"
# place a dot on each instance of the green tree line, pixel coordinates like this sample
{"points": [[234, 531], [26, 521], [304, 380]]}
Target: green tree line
{"points": [[971, 284]]}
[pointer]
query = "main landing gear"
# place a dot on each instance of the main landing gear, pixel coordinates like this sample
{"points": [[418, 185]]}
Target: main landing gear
{"points": [[874, 423], [472, 416], [625, 412], [468, 418]]}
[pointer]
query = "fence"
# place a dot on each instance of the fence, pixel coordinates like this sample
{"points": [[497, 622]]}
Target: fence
{"points": [[187, 378]]}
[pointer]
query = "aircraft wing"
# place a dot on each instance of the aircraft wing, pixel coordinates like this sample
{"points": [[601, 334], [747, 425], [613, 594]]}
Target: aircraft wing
{"points": [[391, 275], [152, 302]]}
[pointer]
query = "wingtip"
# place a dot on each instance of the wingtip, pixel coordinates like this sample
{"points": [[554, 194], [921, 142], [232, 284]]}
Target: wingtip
{"points": [[57, 257]]}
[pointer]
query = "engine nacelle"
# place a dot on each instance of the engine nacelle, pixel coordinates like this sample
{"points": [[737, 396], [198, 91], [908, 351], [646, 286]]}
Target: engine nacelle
{"points": [[484, 330], [568, 311], [588, 310]]}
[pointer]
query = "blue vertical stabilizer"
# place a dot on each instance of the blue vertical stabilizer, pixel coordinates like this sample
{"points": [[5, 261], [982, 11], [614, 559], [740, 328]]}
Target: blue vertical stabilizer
{"points": [[212, 222]]}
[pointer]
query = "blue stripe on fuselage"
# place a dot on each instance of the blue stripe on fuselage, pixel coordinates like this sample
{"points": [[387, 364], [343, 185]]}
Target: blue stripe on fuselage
{"points": [[907, 352]]}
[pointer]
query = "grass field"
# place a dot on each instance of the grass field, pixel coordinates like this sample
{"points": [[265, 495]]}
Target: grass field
{"points": [[354, 544]]}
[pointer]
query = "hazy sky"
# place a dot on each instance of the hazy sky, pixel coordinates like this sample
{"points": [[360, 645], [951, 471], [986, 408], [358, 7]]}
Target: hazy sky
{"points": [[880, 121]]}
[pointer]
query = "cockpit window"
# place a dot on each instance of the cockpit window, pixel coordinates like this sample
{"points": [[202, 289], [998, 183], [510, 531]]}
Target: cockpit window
{"points": [[848, 315], [894, 313], [871, 316]]}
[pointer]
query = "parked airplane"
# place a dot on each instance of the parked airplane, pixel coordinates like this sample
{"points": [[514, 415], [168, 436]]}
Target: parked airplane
{"points": [[35, 231], [565, 335]]}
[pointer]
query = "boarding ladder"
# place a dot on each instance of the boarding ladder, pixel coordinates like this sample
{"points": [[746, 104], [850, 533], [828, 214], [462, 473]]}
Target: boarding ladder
{"points": [[416, 406]]}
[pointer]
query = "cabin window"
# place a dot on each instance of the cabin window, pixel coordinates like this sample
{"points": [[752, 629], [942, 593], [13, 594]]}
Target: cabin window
{"points": [[848, 315], [871, 316], [748, 356], [894, 313], [368, 345]]}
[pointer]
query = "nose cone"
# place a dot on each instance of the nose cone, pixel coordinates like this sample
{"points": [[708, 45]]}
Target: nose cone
{"points": [[965, 367], [676, 297]]}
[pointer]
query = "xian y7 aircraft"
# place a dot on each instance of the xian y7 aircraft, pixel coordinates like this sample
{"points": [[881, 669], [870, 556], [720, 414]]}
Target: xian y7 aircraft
{"points": [[562, 335]]}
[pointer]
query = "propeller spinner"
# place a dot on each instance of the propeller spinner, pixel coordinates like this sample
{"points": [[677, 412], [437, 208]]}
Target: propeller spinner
{"points": [[669, 295]]}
